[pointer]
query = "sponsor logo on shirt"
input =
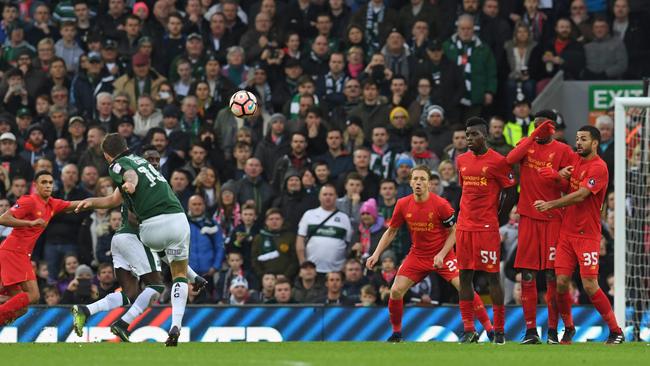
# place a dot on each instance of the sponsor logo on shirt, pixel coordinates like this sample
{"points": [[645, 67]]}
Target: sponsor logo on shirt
{"points": [[474, 180]]}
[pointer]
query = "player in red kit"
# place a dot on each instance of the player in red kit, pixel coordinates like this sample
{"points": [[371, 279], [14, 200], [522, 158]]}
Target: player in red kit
{"points": [[540, 158], [579, 242], [29, 217], [431, 222], [488, 186]]}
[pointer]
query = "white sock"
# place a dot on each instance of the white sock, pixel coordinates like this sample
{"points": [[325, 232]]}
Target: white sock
{"points": [[191, 275], [179, 300], [141, 303], [111, 301]]}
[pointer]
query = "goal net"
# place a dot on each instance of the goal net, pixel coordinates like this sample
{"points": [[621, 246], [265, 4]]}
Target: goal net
{"points": [[632, 216]]}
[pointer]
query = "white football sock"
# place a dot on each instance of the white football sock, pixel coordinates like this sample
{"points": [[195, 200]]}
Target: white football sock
{"points": [[179, 300], [140, 304], [109, 302]]}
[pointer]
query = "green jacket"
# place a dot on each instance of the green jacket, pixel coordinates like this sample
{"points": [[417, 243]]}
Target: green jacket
{"points": [[483, 74], [514, 132], [274, 252]]}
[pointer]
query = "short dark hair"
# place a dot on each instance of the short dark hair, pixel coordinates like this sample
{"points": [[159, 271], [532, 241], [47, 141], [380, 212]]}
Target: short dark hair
{"points": [[593, 131], [39, 174], [420, 134], [319, 163], [335, 129], [546, 113], [353, 176], [477, 121], [389, 181], [114, 144], [282, 281], [315, 110], [298, 133], [273, 211], [327, 275]]}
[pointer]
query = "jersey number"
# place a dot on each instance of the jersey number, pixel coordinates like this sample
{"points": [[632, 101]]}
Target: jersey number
{"points": [[551, 254], [488, 256], [151, 174], [591, 259], [452, 265]]}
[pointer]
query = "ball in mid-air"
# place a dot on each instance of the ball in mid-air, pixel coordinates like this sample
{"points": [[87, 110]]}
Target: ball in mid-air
{"points": [[243, 104]]}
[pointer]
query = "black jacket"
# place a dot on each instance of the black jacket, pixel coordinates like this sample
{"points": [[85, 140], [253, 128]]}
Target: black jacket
{"points": [[64, 227], [84, 91], [574, 61], [269, 153], [447, 85], [18, 167]]}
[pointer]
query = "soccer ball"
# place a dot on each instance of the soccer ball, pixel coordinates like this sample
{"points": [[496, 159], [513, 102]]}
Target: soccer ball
{"points": [[243, 104]]}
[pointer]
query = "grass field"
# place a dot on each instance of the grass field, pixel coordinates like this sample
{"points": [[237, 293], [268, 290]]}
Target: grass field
{"points": [[318, 353]]}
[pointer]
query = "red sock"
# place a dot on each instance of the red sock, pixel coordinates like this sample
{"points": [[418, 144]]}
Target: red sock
{"points": [[601, 303], [481, 313], [395, 311], [467, 313], [499, 317], [529, 303], [564, 307], [551, 303], [8, 309]]}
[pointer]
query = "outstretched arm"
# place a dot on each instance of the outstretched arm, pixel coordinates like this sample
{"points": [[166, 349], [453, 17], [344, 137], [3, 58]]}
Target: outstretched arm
{"points": [[570, 199], [111, 201], [7, 219]]}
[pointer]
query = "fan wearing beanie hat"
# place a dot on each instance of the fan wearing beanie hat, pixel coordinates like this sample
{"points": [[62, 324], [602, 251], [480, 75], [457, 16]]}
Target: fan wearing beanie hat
{"points": [[431, 222], [371, 228]]}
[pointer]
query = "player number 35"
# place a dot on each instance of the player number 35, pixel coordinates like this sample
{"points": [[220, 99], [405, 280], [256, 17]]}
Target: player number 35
{"points": [[591, 259]]}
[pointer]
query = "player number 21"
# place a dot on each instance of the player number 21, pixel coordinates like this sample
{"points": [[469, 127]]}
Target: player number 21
{"points": [[591, 259], [151, 174], [488, 256]]}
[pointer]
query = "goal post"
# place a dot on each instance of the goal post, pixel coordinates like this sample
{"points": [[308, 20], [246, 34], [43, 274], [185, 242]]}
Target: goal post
{"points": [[631, 179]]}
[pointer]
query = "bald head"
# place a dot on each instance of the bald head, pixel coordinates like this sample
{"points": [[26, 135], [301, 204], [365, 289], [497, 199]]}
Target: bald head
{"points": [[196, 206]]}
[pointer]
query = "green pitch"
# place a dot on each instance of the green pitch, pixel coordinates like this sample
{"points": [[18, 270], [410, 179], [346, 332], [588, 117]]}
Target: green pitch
{"points": [[319, 353]]}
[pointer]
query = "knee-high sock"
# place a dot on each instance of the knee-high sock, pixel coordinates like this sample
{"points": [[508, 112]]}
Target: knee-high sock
{"points": [[564, 307], [551, 303], [191, 275], [467, 313], [529, 303], [141, 303], [481, 313], [109, 302], [179, 300], [601, 303], [9, 310], [499, 317], [395, 311]]}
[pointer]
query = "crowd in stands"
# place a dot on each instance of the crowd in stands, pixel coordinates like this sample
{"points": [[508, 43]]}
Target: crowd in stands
{"points": [[284, 207]]}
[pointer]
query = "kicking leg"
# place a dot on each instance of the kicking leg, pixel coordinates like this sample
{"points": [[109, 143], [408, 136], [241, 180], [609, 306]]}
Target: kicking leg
{"points": [[396, 305]]}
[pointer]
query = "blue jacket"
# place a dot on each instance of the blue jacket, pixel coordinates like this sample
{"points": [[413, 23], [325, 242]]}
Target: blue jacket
{"points": [[206, 249]]}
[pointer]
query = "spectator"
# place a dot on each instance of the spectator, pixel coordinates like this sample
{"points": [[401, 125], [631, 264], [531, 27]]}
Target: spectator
{"points": [[294, 201], [282, 293], [143, 80], [368, 296], [580, 22], [350, 203], [273, 249], [146, 116], [562, 53], [399, 130], [420, 153], [330, 87], [296, 159], [179, 140], [87, 85], [206, 240], [478, 65], [382, 156], [102, 249], [61, 235], [81, 290], [103, 112], [377, 20], [316, 131], [67, 47], [373, 109], [266, 293], [89, 177], [252, 187], [232, 270], [275, 144], [385, 276], [18, 188], [65, 271], [336, 157], [371, 228], [306, 289], [605, 55], [239, 293], [35, 145], [496, 141], [361, 162], [334, 285], [402, 177], [438, 133], [518, 53], [458, 145], [198, 159], [208, 186], [352, 92], [180, 183], [522, 125], [51, 295], [126, 128], [242, 236], [16, 165], [451, 190], [323, 234], [94, 155], [633, 30], [353, 136], [169, 158], [396, 54], [354, 280], [4, 230], [106, 280], [605, 125]]}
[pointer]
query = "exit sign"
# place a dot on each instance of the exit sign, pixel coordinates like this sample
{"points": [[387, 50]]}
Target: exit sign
{"points": [[601, 96]]}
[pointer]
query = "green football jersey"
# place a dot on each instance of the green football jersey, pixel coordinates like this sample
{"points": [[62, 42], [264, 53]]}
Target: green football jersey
{"points": [[153, 196], [126, 227]]}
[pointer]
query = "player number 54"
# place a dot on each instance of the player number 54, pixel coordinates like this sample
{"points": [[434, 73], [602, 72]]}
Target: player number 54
{"points": [[488, 256], [591, 259]]}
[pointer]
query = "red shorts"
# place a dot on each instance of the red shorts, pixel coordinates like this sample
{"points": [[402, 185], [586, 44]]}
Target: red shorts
{"points": [[537, 243], [478, 250], [572, 250], [417, 268], [15, 268]]}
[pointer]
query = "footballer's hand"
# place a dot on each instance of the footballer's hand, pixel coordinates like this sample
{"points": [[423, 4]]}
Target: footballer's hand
{"points": [[371, 261], [37, 222], [438, 261], [128, 187], [542, 206], [544, 131], [549, 173], [84, 205], [566, 172]]}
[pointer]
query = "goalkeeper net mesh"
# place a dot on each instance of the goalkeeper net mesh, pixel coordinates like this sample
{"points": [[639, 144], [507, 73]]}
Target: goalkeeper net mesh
{"points": [[633, 212]]}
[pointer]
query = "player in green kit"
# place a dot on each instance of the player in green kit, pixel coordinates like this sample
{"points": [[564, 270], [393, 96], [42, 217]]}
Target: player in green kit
{"points": [[163, 224]]}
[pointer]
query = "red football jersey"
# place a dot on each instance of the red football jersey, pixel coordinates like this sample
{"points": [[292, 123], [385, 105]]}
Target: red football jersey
{"points": [[534, 187], [31, 207], [583, 219], [481, 179], [427, 221]]}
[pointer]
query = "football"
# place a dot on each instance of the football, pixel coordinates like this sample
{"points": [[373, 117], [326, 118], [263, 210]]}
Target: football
{"points": [[243, 104]]}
